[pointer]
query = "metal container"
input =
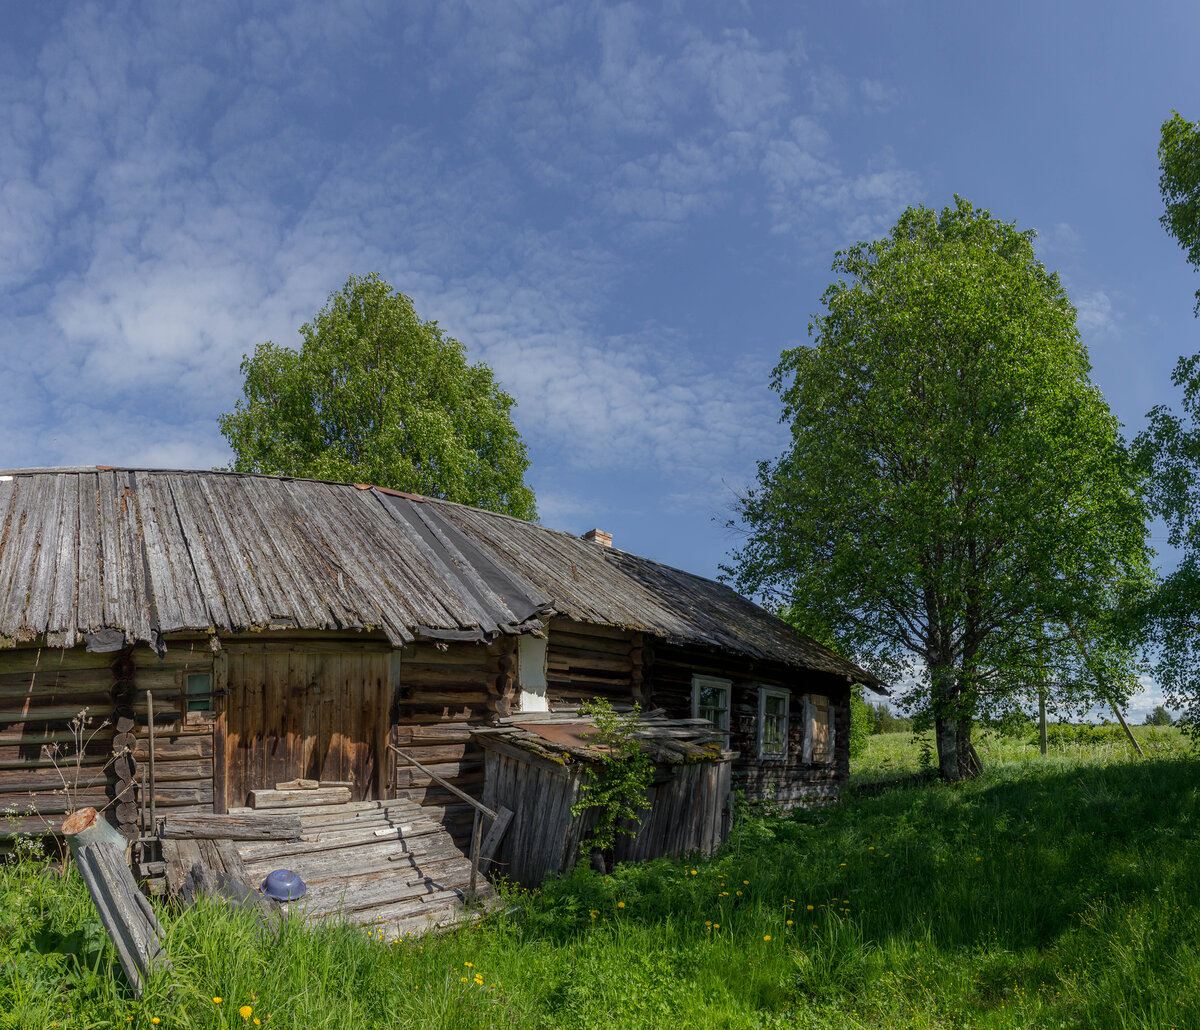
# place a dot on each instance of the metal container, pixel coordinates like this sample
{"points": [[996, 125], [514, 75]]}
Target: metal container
{"points": [[283, 885]]}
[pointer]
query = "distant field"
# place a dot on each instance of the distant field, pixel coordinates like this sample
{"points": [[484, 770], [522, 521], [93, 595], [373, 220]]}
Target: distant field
{"points": [[897, 755], [1048, 893]]}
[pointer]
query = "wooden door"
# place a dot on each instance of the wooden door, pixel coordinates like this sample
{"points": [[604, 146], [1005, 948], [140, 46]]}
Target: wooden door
{"points": [[293, 714]]}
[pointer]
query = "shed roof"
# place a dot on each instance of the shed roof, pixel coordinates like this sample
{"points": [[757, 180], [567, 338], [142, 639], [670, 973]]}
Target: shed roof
{"points": [[153, 552]]}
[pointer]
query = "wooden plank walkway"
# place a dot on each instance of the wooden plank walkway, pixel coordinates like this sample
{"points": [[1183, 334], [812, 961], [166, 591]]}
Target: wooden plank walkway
{"points": [[382, 864]]}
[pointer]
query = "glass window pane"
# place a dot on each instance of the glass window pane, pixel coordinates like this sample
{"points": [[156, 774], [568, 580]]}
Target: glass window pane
{"points": [[774, 729], [199, 684]]}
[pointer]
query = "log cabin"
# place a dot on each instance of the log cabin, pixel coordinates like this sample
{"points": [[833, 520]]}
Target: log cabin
{"points": [[283, 629]]}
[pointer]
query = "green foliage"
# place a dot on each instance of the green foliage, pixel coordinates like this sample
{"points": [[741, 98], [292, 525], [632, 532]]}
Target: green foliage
{"points": [[1047, 894], [1159, 717], [376, 395], [1062, 734], [616, 792], [1179, 183], [862, 723], [956, 500], [1169, 452], [884, 720]]}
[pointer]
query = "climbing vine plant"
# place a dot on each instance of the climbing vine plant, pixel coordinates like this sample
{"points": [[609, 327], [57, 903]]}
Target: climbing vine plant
{"points": [[617, 789]]}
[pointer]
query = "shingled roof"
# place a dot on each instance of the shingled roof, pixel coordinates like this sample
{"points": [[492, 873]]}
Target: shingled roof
{"points": [[147, 553]]}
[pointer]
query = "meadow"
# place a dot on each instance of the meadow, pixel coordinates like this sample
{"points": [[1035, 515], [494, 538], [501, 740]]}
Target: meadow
{"points": [[1050, 892]]}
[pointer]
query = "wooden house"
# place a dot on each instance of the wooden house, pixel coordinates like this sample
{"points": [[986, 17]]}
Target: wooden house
{"points": [[285, 629]]}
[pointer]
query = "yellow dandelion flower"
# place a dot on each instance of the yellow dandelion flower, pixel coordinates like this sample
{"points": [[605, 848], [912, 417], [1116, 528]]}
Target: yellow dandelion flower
{"points": [[739, 894], [462, 979], [979, 859], [469, 965], [216, 999], [716, 926], [843, 863], [766, 936], [245, 1012], [620, 904], [809, 907], [746, 882], [789, 922], [695, 871]]}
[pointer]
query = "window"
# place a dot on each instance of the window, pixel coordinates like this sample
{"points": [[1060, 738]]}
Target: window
{"points": [[710, 700], [818, 729], [772, 723], [199, 691]]}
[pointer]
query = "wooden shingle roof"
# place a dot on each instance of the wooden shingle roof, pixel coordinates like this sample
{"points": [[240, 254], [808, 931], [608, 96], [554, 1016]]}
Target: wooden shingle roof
{"points": [[147, 553]]}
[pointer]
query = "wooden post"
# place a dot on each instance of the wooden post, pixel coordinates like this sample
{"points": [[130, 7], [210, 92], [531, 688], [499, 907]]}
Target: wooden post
{"points": [[150, 723], [1128, 732], [1042, 688], [221, 699], [99, 853], [476, 837], [1116, 711]]}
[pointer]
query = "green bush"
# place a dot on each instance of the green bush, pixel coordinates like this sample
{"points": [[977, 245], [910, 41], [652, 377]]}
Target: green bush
{"points": [[1066, 734], [1159, 717], [886, 721], [862, 723]]}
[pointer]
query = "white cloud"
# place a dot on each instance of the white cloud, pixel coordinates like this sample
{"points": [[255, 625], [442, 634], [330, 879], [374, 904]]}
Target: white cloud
{"points": [[876, 95], [194, 191], [1097, 318]]}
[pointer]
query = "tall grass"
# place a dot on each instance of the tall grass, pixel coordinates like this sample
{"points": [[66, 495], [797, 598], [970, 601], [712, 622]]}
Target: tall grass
{"points": [[1048, 893]]}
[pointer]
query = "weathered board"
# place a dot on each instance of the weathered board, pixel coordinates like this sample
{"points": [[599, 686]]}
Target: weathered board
{"points": [[303, 715], [687, 802]]}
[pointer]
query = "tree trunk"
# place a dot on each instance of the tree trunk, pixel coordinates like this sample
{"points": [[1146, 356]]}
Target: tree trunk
{"points": [[957, 759], [947, 746]]}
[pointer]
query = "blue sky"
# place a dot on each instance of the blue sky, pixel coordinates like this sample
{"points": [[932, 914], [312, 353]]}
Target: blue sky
{"points": [[627, 210]]}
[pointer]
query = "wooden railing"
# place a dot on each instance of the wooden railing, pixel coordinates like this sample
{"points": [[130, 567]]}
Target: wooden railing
{"points": [[500, 819]]}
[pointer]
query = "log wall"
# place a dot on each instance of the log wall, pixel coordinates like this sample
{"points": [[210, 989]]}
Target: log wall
{"points": [[441, 695], [43, 690], [788, 781], [585, 661]]}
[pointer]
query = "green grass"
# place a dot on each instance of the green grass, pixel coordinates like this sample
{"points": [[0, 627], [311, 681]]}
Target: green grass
{"points": [[894, 756], [1049, 893]]}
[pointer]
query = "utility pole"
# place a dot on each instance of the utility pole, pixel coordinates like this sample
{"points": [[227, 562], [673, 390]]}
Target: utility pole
{"points": [[1042, 686]]}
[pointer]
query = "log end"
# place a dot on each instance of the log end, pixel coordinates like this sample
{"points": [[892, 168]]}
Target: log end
{"points": [[78, 821]]}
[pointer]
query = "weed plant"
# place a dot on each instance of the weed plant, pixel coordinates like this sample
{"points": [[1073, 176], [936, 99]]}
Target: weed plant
{"points": [[1059, 892]]}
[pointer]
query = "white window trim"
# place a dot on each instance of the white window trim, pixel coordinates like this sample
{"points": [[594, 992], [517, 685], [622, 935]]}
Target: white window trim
{"points": [[786, 696], [720, 684]]}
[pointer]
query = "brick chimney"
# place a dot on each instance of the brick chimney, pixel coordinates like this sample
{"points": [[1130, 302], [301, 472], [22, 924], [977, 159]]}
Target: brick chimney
{"points": [[598, 536]]}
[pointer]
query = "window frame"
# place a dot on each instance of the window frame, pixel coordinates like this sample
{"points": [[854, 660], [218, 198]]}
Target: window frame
{"points": [[700, 682], [198, 716], [781, 693]]}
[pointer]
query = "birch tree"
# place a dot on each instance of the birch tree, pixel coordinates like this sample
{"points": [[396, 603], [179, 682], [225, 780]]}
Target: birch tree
{"points": [[377, 395], [956, 504]]}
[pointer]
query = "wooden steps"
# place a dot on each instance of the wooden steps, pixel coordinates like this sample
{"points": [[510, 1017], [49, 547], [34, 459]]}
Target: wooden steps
{"points": [[383, 864]]}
